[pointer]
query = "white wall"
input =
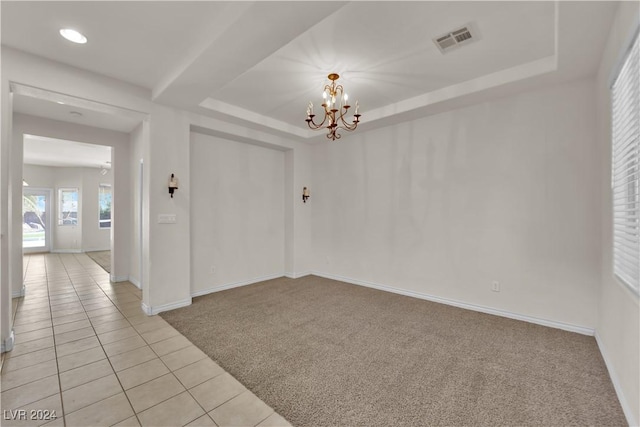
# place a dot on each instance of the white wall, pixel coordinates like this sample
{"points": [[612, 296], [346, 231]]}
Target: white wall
{"points": [[86, 236], [444, 205], [237, 213], [120, 210], [618, 327], [6, 261], [169, 267], [136, 151]]}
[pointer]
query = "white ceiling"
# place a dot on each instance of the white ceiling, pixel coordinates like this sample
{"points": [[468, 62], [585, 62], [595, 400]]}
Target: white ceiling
{"points": [[68, 112], [260, 63], [43, 151]]}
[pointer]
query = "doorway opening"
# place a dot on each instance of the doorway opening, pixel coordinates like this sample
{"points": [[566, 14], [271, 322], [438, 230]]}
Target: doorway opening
{"points": [[67, 195]]}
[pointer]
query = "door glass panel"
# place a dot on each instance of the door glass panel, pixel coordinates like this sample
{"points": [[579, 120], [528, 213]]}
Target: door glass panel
{"points": [[34, 220]]}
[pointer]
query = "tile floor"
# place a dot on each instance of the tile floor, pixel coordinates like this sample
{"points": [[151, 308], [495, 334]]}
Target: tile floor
{"points": [[85, 351]]}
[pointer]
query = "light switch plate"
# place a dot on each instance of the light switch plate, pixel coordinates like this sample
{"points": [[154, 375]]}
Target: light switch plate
{"points": [[167, 219]]}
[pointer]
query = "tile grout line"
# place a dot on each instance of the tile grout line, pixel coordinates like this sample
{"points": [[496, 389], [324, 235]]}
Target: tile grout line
{"points": [[171, 373], [177, 379], [88, 319], [105, 353], [55, 348], [180, 382], [162, 361]]}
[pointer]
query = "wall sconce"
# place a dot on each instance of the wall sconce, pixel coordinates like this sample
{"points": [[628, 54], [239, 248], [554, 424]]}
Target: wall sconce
{"points": [[305, 194], [173, 185]]}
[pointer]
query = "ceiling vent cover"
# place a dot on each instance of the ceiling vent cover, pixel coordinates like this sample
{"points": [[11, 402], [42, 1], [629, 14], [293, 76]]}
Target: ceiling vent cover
{"points": [[455, 38]]}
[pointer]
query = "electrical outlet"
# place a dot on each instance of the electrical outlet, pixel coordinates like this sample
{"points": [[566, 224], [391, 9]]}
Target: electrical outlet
{"points": [[495, 286]]}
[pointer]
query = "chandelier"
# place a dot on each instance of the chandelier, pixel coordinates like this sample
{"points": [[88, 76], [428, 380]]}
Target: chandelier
{"points": [[334, 114]]}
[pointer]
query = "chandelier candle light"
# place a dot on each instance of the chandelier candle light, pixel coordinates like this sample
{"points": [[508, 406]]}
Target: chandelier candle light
{"points": [[334, 115]]}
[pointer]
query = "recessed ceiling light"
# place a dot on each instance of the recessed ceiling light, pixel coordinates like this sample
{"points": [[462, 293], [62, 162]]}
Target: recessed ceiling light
{"points": [[60, 102], [73, 35]]}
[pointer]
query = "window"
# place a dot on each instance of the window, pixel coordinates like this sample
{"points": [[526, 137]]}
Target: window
{"points": [[68, 206], [104, 201], [625, 118]]}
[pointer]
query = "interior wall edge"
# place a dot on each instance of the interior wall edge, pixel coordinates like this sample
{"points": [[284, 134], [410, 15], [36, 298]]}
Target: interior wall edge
{"points": [[234, 285], [294, 275], [153, 310], [19, 293], [624, 402], [135, 282], [7, 344]]}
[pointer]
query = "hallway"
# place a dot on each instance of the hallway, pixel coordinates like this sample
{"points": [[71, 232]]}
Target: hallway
{"points": [[86, 354]]}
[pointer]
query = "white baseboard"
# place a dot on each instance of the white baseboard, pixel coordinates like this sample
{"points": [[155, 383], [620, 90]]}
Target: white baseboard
{"points": [[67, 251], [233, 285], [118, 278], [146, 309], [628, 412], [150, 311], [294, 275], [497, 312], [7, 345], [17, 294], [135, 282]]}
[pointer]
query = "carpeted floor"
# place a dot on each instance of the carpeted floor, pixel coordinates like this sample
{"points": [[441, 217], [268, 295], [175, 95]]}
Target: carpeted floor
{"points": [[102, 258], [326, 353]]}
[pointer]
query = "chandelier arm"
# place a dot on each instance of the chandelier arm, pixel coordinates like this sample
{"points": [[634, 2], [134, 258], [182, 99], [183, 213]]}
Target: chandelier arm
{"points": [[315, 126], [344, 124]]}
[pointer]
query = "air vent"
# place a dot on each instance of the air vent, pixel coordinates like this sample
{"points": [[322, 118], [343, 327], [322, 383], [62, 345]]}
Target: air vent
{"points": [[456, 38]]}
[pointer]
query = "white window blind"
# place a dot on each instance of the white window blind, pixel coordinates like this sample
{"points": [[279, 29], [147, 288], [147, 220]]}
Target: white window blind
{"points": [[625, 102]]}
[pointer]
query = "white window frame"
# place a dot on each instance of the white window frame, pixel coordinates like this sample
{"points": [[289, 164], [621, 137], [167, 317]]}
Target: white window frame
{"points": [[60, 206], [625, 169]]}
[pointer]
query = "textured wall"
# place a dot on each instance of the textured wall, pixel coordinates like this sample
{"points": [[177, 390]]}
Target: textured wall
{"points": [[505, 190], [237, 212]]}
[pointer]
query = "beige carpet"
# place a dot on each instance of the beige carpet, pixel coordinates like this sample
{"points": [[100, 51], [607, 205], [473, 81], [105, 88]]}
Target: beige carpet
{"points": [[326, 353]]}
